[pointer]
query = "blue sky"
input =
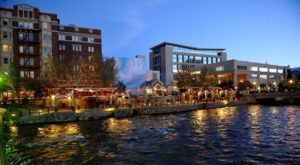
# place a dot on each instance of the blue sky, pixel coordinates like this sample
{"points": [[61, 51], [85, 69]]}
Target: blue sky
{"points": [[252, 30]]}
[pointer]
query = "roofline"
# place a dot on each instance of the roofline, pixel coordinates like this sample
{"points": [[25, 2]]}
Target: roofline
{"points": [[185, 46]]}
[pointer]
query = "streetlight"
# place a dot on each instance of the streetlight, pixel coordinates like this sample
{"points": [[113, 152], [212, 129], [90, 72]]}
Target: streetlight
{"points": [[291, 81]]}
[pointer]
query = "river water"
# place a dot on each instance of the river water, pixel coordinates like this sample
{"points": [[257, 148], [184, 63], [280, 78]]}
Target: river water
{"points": [[246, 134]]}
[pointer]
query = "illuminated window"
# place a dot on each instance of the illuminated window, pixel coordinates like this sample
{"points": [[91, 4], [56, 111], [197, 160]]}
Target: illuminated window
{"points": [[263, 76], [272, 70], [174, 68], [22, 74], [5, 48], [220, 68], [263, 69], [253, 68], [21, 61], [280, 71], [31, 74], [253, 75]]}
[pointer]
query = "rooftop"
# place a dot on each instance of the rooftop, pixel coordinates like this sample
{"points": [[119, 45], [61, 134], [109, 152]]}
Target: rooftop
{"points": [[185, 46]]}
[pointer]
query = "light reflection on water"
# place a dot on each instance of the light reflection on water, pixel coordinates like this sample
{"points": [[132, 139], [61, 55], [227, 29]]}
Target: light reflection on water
{"points": [[245, 134]]}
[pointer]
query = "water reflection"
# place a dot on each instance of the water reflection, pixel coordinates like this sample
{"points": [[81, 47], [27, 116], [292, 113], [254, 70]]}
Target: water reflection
{"points": [[233, 135], [55, 130]]}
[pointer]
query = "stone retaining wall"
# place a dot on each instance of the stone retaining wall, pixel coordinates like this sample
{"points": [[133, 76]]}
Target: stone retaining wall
{"points": [[55, 117]]}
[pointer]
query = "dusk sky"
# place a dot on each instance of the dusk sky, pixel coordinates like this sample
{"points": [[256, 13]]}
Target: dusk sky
{"points": [[253, 30]]}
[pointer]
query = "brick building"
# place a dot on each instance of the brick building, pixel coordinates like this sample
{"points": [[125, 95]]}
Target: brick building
{"points": [[33, 40]]}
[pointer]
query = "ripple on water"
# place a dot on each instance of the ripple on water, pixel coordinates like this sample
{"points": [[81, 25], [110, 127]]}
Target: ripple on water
{"points": [[240, 135]]}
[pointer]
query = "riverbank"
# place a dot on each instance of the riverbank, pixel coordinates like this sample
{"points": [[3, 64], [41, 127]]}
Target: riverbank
{"points": [[96, 114], [3, 160]]}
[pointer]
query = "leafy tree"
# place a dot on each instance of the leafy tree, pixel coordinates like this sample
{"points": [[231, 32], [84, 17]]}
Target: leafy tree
{"points": [[207, 80], [15, 79], [34, 85], [184, 77], [109, 72], [226, 84]]}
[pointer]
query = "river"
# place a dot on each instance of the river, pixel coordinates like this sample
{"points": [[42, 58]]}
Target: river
{"points": [[245, 134]]}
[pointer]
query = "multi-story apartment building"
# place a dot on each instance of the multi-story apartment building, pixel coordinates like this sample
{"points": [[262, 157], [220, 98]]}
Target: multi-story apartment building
{"points": [[31, 39], [240, 71], [169, 57]]}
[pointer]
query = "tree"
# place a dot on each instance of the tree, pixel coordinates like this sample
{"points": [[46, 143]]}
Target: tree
{"points": [[109, 72], [34, 85], [184, 77], [15, 79], [207, 80], [121, 85], [226, 84]]}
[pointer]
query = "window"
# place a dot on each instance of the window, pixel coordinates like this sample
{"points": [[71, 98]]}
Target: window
{"points": [[253, 75], [21, 61], [191, 59], [45, 37], [5, 60], [76, 38], [220, 68], [61, 27], [179, 58], [31, 61], [45, 25], [90, 58], [21, 49], [263, 76], [214, 60], [90, 49], [45, 49], [272, 70], [61, 47], [4, 22], [198, 59], [4, 34], [241, 67], [272, 76], [21, 36], [61, 37], [29, 37], [5, 48], [204, 60], [263, 69], [77, 48], [174, 68], [185, 58], [22, 74], [253, 68], [31, 74], [76, 57], [218, 59], [31, 49], [156, 60], [174, 58], [61, 57], [90, 39], [280, 70], [30, 25], [208, 60]]}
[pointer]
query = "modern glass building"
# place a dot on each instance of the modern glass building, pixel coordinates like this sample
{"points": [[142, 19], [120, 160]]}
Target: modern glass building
{"points": [[169, 57]]}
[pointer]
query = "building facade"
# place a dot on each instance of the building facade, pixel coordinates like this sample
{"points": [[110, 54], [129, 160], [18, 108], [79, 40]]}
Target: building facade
{"points": [[169, 57], [32, 39], [240, 71]]}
